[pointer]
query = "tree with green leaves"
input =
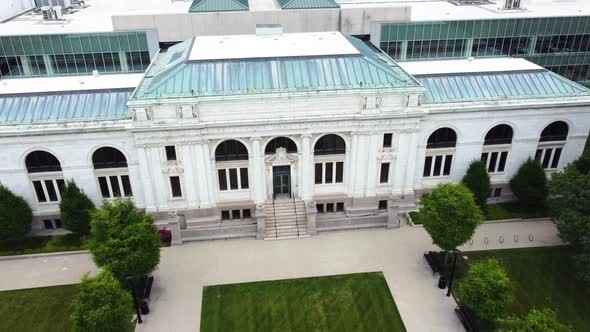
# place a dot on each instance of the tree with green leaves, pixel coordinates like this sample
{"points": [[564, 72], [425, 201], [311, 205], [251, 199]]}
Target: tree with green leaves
{"points": [[124, 240], [75, 208], [486, 290], [450, 215], [101, 305], [16, 215], [529, 184], [570, 206], [544, 320], [477, 180]]}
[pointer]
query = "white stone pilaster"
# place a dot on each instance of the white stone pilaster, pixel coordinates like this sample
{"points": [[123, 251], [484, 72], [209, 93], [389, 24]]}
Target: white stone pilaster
{"points": [[412, 167], [161, 184], [373, 145], [306, 181], [402, 153], [146, 176], [351, 164], [190, 172], [209, 161], [257, 171], [202, 188], [361, 165]]}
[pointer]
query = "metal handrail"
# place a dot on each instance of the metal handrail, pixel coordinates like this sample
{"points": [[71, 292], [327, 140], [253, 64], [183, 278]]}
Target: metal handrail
{"points": [[296, 219], [274, 212]]}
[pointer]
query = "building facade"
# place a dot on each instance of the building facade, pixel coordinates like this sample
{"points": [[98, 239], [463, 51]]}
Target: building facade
{"points": [[220, 140]]}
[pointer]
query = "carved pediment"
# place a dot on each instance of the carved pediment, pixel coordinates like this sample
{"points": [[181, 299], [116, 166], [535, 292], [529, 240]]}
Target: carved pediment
{"points": [[280, 156]]}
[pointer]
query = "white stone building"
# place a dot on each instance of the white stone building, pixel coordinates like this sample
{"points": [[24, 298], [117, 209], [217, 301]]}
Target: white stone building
{"points": [[282, 135]]}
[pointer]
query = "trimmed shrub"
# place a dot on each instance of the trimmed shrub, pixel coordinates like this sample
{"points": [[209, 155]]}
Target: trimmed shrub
{"points": [[477, 180], [529, 184], [486, 289], [75, 208], [450, 215], [124, 240], [535, 321], [15, 215], [101, 305]]}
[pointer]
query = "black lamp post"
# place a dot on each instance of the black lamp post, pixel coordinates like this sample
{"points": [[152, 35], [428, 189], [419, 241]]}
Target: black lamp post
{"points": [[132, 286], [455, 254]]}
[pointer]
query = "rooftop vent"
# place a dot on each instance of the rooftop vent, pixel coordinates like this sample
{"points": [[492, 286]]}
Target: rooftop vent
{"points": [[512, 4], [470, 2]]}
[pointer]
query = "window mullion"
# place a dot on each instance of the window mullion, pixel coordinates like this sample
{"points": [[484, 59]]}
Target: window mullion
{"points": [[122, 189], [239, 178], [56, 188], [48, 199], [111, 194]]}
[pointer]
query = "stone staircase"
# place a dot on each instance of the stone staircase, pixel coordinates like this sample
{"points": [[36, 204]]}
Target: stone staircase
{"points": [[285, 219]]}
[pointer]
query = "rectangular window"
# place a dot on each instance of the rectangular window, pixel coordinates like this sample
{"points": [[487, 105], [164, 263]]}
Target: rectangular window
{"points": [[225, 215], [48, 224], [547, 158], [556, 156], [233, 178], [126, 186], [61, 184], [329, 207], [39, 191], [492, 163], [104, 187], [448, 163], [437, 165], [382, 205], [175, 186], [484, 158], [244, 178], [115, 186], [502, 163], [246, 214], [170, 153], [222, 179], [387, 140], [384, 175], [427, 166], [320, 208], [329, 171], [339, 171], [318, 173], [340, 207], [235, 214], [51, 191], [538, 155]]}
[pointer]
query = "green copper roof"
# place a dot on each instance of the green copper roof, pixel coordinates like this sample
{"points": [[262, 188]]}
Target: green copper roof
{"points": [[444, 88], [172, 75], [208, 6], [64, 107], [307, 4]]}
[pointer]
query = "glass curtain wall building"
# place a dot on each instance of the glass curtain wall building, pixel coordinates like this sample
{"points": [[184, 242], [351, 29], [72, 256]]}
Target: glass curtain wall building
{"points": [[73, 54], [560, 44]]}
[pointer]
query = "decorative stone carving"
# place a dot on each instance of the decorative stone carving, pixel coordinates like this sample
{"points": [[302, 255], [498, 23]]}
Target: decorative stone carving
{"points": [[172, 214], [281, 156], [172, 168], [386, 154]]}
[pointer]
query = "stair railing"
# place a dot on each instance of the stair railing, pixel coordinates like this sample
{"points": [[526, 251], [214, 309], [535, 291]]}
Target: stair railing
{"points": [[296, 219], [274, 212]]}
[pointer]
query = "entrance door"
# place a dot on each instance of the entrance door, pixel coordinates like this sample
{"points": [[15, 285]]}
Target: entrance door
{"points": [[281, 180]]}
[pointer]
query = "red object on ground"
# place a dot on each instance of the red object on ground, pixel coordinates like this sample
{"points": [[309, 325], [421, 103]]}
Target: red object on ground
{"points": [[165, 236]]}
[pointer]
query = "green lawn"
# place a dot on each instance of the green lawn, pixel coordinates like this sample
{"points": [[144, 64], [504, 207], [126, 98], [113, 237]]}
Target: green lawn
{"points": [[512, 211], [37, 309], [542, 277], [416, 217], [353, 302], [42, 244]]}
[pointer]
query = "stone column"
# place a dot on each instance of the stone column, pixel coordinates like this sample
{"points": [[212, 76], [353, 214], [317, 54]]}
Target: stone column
{"points": [[201, 161], [190, 180], [413, 167], [361, 168], [306, 180], [146, 176], [257, 171], [211, 173], [402, 154], [371, 173], [351, 152], [161, 186]]}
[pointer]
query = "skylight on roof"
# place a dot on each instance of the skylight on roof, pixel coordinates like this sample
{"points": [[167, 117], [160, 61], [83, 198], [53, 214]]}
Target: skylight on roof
{"points": [[271, 46]]}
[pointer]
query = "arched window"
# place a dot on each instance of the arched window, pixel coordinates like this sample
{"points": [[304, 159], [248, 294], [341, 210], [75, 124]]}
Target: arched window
{"points": [[495, 153], [112, 174], [329, 144], [232, 177], [500, 134], [551, 144], [108, 157], [42, 167], [442, 138], [280, 142], [41, 161], [438, 162], [231, 150], [556, 131]]}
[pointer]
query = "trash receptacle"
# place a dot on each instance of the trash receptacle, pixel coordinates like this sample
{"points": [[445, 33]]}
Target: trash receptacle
{"points": [[442, 282]]}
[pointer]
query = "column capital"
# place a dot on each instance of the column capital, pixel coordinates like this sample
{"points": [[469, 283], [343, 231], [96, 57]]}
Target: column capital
{"points": [[255, 139], [306, 135]]}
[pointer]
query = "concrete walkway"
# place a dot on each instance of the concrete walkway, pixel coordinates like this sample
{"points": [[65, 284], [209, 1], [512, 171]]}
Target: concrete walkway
{"points": [[184, 270]]}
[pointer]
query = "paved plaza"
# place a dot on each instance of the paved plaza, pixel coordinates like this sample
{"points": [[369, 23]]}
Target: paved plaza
{"points": [[184, 270]]}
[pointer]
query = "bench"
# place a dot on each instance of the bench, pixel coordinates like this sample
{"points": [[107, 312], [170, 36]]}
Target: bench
{"points": [[467, 319], [429, 256]]}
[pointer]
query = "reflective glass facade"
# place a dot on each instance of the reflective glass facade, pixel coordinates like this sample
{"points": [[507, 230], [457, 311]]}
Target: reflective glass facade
{"points": [[560, 44], [73, 54]]}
